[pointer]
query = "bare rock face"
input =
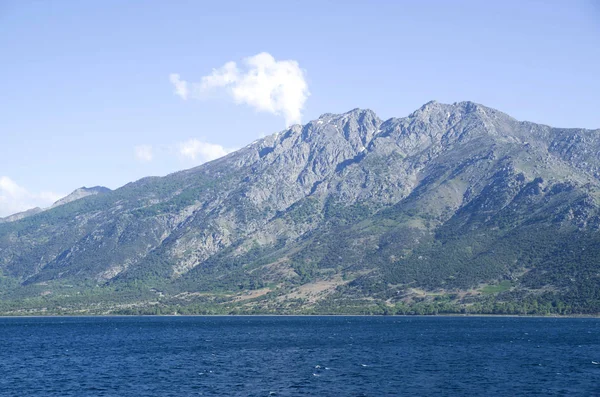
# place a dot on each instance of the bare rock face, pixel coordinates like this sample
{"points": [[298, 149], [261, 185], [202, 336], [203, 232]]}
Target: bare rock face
{"points": [[422, 200]]}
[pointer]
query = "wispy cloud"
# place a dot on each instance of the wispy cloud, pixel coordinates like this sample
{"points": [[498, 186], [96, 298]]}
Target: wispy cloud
{"points": [[15, 198], [261, 82], [143, 153], [181, 87], [197, 150]]}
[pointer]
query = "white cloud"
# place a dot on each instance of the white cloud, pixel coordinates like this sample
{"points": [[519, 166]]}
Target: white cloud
{"points": [[277, 87], [181, 87], [15, 198], [49, 197], [225, 75], [9, 187], [195, 149], [143, 153]]}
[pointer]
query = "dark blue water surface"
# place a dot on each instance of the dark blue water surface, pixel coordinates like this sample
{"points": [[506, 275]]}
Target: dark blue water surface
{"points": [[289, 356]]}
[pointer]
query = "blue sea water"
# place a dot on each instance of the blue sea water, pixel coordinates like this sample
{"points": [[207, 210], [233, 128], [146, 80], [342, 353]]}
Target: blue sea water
{"points": [[294, 356]]}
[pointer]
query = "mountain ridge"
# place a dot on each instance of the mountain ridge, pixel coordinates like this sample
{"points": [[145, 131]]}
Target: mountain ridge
{"points": [[74, 195], [80, 193], [337, 213]]}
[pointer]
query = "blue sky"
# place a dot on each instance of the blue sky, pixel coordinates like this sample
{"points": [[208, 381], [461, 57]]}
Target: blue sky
{"points": [[88, 98]]}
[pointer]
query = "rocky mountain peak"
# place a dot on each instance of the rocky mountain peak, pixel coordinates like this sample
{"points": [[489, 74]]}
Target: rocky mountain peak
{"points": [[358, 126], [434, 109], [358, 115]]}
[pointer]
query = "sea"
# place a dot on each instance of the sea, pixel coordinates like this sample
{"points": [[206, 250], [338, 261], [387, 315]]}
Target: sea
{"points": [[299, 356]]}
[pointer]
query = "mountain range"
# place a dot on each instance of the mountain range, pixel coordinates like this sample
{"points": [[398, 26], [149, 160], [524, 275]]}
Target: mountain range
{"points": [[456, 208]]}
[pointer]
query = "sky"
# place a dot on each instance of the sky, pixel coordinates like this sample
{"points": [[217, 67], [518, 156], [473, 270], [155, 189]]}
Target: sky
{"points": [[107, 92]]}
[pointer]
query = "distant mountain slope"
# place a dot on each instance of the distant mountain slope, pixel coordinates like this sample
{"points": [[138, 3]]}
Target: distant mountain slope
{"points": [[21, 215], [75, 195], [81, 193], [453, 208]]}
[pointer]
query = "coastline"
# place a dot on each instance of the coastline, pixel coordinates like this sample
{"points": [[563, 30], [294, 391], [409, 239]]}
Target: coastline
{"points": [[570, 316]]}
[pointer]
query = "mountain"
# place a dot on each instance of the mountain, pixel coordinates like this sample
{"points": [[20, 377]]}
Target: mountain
{"points": [[455, 208], [81, 193], [21, 215], [75, 195]]}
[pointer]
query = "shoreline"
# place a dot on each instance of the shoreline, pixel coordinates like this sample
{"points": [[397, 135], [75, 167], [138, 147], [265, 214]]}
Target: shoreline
{"points": [[571, 316]]}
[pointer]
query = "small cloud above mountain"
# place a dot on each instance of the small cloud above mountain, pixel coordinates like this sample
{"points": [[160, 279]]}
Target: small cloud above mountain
{"points": [[144, 153], [180, 86], [15, 198], [261, 82], [194, 149]]}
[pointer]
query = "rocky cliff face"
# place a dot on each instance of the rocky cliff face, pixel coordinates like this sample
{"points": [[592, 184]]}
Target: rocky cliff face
{"points": [[452, 198]]}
